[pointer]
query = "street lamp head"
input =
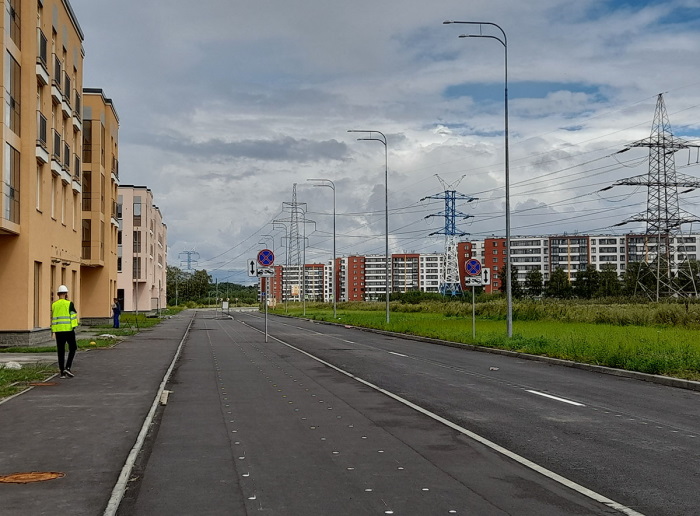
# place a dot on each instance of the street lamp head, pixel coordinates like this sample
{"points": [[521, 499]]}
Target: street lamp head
{"points": [[447, 22]]}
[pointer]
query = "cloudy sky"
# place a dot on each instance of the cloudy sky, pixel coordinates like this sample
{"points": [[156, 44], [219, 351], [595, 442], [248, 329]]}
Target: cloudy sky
{"points": [[225, 104]]}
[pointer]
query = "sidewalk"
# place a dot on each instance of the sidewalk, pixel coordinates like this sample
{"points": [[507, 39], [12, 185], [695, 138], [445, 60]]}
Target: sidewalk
{"points": [[86, 426]]}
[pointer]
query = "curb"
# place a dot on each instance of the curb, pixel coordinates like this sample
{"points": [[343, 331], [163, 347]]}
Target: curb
{"points": [[667, 381]]}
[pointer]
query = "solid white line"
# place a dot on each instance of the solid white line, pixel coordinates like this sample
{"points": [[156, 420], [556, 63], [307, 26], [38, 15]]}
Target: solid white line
{"points": [[556, 398], [514, 456], [397, 354], [120, 486]]}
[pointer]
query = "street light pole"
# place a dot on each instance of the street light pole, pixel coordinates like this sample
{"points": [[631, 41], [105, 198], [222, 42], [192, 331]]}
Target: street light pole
{"points": [[503, 41], [382, 139], [330, 184]]}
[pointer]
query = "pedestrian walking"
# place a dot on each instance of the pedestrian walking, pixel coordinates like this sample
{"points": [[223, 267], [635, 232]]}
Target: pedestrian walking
{"points": [[64, 319], [116, 311]]}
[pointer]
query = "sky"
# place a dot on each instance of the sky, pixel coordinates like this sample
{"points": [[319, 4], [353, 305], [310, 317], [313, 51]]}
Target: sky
{"points": [[225, 105]]}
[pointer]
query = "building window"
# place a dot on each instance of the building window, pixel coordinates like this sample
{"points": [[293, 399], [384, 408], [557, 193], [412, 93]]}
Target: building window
{"points": [[87, 141], [87, 239], [137, 211], [12, 21], [13, 89], [137, 241], [137, 267], [10, 184]]}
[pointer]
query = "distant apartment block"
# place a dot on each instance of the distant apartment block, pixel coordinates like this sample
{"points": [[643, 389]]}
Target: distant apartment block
{"points": [[363, 278], [141, 251]]}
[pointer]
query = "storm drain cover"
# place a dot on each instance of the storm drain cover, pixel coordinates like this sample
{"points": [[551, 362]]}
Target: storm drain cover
{"points": [[26, 478]]}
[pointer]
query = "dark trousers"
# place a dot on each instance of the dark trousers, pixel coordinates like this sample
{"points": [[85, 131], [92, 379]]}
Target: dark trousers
{"points": [[115, 323], [63, 337]]}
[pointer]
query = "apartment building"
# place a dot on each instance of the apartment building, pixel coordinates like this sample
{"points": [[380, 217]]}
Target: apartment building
{"points": [[405, 272], [99, 225], [315, 282], [352, 278], [141, 250], [431, 271], [40, 197]]}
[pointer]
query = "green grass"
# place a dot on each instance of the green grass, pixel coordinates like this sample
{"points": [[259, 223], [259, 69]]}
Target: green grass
{"points": [[14, 381], [82, 344], [664, 350]]}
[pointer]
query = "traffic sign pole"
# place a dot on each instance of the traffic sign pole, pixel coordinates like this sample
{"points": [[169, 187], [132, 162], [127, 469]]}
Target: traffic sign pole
{"points": [[473, 313]]}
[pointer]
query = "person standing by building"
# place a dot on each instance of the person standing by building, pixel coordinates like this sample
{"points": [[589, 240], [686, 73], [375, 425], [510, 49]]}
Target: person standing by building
{"points": [[64, 319], [116, 311]]}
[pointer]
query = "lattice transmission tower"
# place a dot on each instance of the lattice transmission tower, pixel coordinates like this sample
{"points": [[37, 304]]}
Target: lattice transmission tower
{"points": [[664, 269], [450, 281], [294, 271]]}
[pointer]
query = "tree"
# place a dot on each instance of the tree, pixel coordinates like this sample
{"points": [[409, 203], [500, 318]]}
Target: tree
{"points": [[609, 284], [534, 283], [198, 284], [687, 279], [517, 289], [558, 284], [175, 280], [587, 282], [639, 279]]}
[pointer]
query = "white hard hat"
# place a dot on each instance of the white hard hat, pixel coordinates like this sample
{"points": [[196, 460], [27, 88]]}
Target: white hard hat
{"points": [[62, 289]]}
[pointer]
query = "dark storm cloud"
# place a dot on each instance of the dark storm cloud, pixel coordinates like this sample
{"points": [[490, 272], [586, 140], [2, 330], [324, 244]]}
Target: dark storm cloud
{"points": [[282, 149]]}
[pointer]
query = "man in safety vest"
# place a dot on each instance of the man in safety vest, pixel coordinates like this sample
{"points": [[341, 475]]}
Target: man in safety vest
{"points": [[64, 319]]}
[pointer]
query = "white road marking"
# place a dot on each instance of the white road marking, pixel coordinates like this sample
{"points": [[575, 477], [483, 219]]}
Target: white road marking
{"points": [[500, 449], [398, 354], [557, 398]]}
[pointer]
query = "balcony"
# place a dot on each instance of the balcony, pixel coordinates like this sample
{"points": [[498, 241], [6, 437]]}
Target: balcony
{"points": [[56, 153], [42, 68], [56, 94], [77, 112], [115, 170], [42, 148], [77, 179]]}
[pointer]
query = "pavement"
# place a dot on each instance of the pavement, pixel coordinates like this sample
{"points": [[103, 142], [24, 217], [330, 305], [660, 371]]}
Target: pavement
{"points": [[84, 428]]}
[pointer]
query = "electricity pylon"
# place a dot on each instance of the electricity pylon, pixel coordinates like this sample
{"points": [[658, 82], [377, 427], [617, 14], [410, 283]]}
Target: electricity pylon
{"points": [[450, 277], [666, 270]]}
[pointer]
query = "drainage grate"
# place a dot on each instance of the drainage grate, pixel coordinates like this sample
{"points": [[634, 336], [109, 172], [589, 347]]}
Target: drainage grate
{"points": [[26, 478], [42, 384]]}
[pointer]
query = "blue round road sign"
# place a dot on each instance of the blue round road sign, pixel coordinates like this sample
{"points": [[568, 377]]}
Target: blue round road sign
{"points": [[473, 267], [266, 258]]}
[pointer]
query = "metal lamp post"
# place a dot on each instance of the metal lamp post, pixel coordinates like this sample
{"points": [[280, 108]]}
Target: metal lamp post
{"points": [[330, 184], [382, 139], [503, 40]]}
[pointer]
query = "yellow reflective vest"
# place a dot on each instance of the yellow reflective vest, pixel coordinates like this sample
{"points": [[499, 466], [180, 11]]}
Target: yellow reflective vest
{"points": [[62, 318]]}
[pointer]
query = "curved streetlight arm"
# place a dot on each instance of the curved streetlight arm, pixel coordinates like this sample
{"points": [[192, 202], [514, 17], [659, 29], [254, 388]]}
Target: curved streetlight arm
{"points": [[383, 141], [480, 25], [504, 42], [330, 184]]}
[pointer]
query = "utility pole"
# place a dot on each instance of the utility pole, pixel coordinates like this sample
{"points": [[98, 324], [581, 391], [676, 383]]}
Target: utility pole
{"points": [[450, 278], [663, 216]]}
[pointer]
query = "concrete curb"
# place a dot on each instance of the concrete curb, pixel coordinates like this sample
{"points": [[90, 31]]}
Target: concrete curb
{"points": [[652, 378]]}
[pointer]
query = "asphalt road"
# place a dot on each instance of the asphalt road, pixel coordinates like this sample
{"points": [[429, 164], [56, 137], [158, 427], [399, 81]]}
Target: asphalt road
{"points": [[279, 427]]}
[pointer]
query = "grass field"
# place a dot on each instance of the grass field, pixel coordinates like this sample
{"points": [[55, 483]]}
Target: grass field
{"points": [[658, 349]]}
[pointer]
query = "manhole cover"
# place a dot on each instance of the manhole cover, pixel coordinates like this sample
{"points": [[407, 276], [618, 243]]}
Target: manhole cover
{"points": [[34, 476]]}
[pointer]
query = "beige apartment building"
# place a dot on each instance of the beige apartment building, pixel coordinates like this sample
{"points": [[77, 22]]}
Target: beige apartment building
{"points": [[141, 252], [99, 225], [40, 197]]}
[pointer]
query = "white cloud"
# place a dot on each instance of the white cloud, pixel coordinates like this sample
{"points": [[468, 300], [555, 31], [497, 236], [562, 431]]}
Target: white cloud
{"points": [[224, 105]]}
